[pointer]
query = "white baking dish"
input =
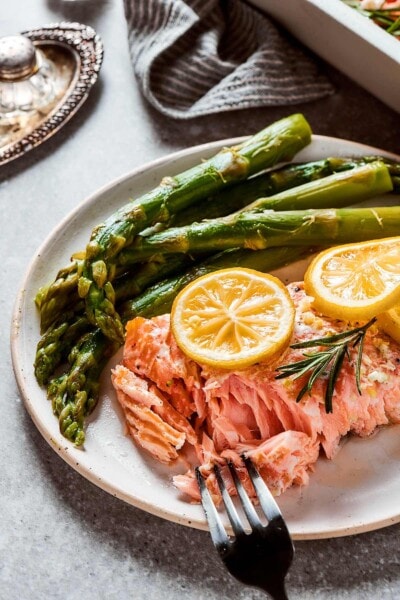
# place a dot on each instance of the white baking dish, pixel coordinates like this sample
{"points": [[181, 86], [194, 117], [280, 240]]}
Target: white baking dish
{"points": [[346, 39]]}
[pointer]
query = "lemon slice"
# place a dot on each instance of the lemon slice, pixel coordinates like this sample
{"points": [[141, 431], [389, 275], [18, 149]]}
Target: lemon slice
{"points": [[233, 318], [390, 323], [356, 281]]}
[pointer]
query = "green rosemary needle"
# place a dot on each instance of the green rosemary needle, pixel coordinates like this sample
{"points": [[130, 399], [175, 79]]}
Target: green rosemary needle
{"points": [[327, 362]]}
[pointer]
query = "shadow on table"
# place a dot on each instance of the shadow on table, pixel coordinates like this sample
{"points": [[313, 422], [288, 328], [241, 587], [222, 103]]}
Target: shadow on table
{"points": [[187, 555], [84, 11], [33, 158]]}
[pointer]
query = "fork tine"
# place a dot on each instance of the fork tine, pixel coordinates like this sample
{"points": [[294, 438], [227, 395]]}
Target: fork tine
{"points": [[229, 506], [247, 504], [261, 558], [217, 530], [265, 497]]}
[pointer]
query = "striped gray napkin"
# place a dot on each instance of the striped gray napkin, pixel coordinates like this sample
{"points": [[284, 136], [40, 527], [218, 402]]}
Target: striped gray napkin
{"points": [[198, 57]]}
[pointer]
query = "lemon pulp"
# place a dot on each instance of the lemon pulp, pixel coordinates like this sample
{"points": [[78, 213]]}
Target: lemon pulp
{"points": [[355, 281], [233, 318]]}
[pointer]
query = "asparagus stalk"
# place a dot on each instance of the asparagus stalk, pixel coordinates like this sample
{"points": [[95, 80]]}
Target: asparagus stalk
{"points": [[56, 344], [258, 230], [278, 142], [75, 393], [335, 190], [157, 299], [54, 299]]}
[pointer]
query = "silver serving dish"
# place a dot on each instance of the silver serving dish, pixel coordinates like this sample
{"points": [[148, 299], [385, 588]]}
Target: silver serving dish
{"points": [[46, 74]]}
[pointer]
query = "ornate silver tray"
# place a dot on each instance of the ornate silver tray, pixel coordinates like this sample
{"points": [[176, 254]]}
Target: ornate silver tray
{"points": [[75, 52]]}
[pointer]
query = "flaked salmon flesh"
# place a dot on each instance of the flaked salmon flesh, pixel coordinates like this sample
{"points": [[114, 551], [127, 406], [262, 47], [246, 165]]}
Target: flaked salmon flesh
{"points": [[171, 403]]}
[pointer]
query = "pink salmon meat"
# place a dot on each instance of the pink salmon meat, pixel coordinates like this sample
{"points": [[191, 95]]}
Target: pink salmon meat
{"points": [[172, 403]]}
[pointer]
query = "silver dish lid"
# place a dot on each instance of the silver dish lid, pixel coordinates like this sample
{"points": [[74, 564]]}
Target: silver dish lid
{"points": [[18, 58]]}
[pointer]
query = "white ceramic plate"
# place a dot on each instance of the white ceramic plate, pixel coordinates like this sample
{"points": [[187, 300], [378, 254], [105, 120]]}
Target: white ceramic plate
{"points": [[358, 491]]}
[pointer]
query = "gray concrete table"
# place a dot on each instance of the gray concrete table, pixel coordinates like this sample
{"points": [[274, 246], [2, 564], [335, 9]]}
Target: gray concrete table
{"points": [[61, 537]]}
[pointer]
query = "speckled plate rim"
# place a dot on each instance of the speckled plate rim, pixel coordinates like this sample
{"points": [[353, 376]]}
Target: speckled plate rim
{"points": [[357, 492]]}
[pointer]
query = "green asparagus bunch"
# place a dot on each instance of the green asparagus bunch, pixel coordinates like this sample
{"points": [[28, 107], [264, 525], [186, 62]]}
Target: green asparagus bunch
{"points": [[278, 142], [54, 299], [263, 222]]}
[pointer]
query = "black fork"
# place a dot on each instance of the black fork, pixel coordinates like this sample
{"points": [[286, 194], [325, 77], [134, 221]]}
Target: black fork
{"points": [[262, 557]]}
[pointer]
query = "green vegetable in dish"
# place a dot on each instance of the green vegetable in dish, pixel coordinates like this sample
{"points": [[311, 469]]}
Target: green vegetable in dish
{"points": [[386, 16], [75, 394]]}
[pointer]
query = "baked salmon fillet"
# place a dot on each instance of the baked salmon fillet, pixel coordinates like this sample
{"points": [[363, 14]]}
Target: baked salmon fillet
{"points": [[171, 403]]}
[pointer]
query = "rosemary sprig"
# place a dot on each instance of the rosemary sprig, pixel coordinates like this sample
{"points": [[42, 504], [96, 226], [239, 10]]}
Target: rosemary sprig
{"points": [[327, 362]]}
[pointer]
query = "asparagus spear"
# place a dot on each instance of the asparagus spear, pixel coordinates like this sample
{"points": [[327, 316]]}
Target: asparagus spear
{"points": [[75, 393], [278, 142], [334, 191], [227, 232], [52, 300], [157, 299], [56, 344]]}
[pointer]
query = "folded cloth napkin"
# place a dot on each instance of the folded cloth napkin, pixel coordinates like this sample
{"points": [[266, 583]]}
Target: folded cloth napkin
{"points": [[198, 57]]}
